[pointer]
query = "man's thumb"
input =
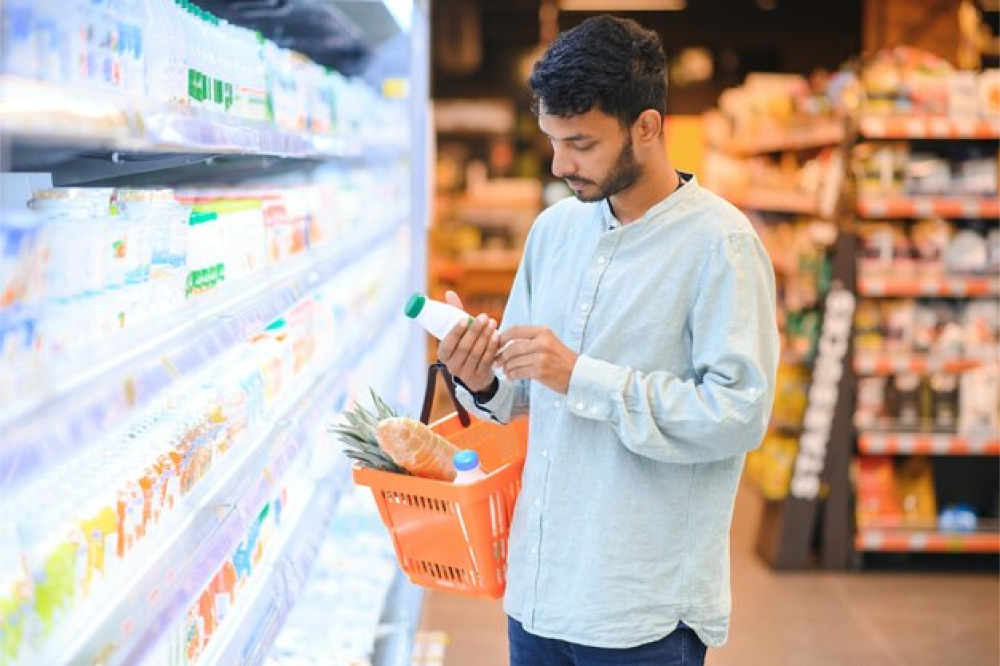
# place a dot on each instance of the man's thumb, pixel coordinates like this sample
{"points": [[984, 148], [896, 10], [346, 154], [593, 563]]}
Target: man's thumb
{"points": [[452, 298]]}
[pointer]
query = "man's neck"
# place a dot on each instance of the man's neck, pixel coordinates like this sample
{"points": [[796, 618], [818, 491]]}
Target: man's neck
{"points": [[655, 186]]}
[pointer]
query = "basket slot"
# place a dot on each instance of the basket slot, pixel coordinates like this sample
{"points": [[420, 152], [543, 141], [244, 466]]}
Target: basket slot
{"points": [[448, 575], [417, 501]]}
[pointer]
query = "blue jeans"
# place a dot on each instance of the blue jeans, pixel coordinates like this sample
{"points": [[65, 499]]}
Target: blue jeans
{"points": [[680, 648]]}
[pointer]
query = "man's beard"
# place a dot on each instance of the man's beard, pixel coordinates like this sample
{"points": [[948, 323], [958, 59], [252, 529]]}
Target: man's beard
{"points": [[624, 173]]}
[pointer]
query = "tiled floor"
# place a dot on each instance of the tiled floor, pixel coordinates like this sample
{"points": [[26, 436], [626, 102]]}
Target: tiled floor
{"points": [[800, 619]]}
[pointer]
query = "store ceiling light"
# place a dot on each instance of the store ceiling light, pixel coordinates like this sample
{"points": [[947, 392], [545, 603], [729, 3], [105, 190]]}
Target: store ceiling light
{"points": [[622, 5]]}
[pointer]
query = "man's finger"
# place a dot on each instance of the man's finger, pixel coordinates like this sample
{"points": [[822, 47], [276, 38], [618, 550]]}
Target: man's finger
{"points": [[486, 361], [452, 298], [521, 367], [511, 348], [519, 333]]}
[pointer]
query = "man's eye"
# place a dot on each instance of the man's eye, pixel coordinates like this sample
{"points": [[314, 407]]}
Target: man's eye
{"points": [[584, 147]]}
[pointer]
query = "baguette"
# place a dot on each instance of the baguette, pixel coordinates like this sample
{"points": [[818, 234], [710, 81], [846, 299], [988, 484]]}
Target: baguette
{"points": [[416, 448]]}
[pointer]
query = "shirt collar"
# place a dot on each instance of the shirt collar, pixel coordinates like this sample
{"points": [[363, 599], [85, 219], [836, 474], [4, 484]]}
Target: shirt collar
{"points": [[612, 223]]}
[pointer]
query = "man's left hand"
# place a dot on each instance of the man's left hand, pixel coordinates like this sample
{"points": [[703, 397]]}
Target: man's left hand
{"points": [[534, 352]]}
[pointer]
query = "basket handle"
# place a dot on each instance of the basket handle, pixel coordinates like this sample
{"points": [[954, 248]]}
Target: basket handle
{"points": [[435, 369]]}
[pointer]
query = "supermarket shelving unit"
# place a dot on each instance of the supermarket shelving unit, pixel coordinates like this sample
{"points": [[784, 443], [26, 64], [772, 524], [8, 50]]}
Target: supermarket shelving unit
{"points": [[975, 481], [112, 142], [788, 532]]}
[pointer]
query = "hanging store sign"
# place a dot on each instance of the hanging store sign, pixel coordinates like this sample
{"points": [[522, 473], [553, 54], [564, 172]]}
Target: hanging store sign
{"points": [[829, 369]]}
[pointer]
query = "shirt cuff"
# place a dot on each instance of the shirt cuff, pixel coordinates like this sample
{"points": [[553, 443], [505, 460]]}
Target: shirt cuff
{"points": [[595, 388], [481, 398]]}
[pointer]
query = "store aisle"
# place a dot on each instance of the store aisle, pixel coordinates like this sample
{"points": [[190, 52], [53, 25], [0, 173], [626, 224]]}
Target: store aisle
{"points": [[820, 619]]}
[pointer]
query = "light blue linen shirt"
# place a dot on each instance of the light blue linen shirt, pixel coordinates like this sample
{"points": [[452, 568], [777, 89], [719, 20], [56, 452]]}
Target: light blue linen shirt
{"points": [[622, 526]]}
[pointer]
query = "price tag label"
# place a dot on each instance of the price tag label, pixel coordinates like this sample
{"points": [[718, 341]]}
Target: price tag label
{"points": [[923, 207]]}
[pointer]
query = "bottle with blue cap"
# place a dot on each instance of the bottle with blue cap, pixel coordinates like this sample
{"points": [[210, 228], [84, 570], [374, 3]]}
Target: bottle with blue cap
{"points": [[467, 467]]}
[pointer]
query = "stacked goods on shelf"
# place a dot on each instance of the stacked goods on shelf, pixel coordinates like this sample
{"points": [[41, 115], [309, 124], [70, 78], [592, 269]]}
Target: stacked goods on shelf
{"points": [[927, 327], [773, 152], [337, 618], [172, 357], [144, 69], [85, 267], [772, 144], [121, 497]]}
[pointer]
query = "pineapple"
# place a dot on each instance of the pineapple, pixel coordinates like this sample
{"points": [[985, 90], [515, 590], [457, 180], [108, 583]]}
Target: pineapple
{"points": [[359, 438]]}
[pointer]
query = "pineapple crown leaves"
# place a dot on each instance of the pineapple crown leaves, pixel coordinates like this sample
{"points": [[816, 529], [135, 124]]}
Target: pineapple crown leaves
{"points": [[357, 433]]}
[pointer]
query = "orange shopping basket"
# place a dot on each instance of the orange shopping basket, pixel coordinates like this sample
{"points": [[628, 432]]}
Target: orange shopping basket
{"points": [[450, 537]]}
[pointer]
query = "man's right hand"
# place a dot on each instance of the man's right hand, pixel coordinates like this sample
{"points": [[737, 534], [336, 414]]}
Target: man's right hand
{"points": [[469, 351]]}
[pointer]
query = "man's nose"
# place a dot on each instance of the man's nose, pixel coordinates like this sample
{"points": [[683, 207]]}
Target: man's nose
{"points": [[561, 166]]}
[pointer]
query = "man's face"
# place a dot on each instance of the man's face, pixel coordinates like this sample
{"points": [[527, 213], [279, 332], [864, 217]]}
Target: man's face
{"points": [[592, 152]]}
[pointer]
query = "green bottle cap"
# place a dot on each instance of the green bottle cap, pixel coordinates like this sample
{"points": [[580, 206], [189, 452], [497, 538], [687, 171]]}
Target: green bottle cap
{"points": [[415, 305]]}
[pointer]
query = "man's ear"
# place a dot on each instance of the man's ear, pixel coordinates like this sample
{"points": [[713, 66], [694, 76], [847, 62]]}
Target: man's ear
{"points": [[649, 125]]}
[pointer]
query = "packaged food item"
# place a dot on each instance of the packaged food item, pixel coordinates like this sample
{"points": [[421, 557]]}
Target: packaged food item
{"points": [[905, 400], [980, 391], [877, 502], [868, 326], [944, 401], [966, 253], [915, 488], [929, 239], [871, 401]]}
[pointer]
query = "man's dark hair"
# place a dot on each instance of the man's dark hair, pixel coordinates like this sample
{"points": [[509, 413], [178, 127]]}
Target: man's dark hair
{"points": [[610, 63]]}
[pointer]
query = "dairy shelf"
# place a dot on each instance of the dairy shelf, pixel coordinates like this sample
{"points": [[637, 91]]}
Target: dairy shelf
{"points": [[80, 407], [213, 519], [907, 206], [42, 113], [247, 635], [942, 444], [928, 127]]}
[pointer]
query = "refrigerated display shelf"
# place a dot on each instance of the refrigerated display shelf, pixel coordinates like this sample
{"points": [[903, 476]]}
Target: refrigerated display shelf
{"points": [[777, 201], [905, 206], [247, 634], [211, 520], [814, 134], [954, 286], [886, 364], [908, 443], [399, 623], [78, 408], [926, 541], [928, 127], [49, 115]]}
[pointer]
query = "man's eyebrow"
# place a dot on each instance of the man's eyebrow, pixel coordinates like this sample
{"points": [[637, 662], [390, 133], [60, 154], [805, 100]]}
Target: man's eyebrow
{"points": [[573, 137]]}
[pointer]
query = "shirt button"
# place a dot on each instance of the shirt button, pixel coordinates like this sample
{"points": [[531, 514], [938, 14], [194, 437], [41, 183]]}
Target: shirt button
{"points": [[584, 307], [538, 502], [557, 404], [545, 453], [601, 260], [580, 406], [593, 410], [534, 550]]}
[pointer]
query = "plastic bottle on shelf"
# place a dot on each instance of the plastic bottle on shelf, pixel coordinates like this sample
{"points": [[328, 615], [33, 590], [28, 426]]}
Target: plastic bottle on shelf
{"points": [[467, 467], [437, 317], [166, 69]]}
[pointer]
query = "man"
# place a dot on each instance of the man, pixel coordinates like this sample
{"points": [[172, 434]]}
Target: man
{"points": [[640, 338]]}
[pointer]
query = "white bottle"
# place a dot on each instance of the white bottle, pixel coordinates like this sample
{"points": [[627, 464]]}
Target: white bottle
{"points": [[467, 467], [436, 316]]}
